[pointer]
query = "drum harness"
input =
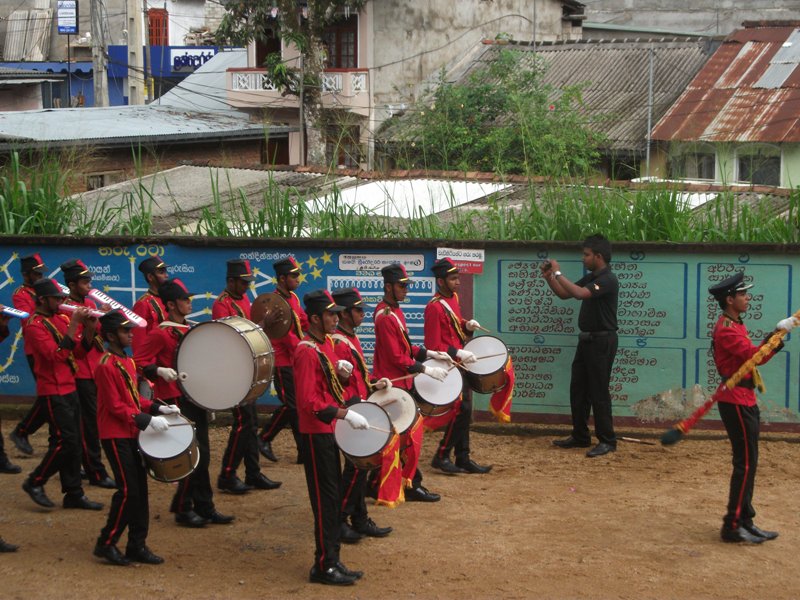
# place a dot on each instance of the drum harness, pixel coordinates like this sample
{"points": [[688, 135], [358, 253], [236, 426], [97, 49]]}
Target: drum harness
{"points": [[329, 371]]}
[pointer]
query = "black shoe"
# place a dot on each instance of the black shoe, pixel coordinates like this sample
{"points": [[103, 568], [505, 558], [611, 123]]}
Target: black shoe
{"points": [[266, 451], [345, 571], [330, 576], [445, 465], [571, 442], [233, 485], [36, 492], [105, 483], [216, 518], [758, 532], [81, 502], [21, 442], [601, 449], [348, 535], [7, 467], [112, 554], [262, 482], [370, 529], [470, 466], [190, 518], [6, 547], [421, 494], [740, 534], [143, 555]]}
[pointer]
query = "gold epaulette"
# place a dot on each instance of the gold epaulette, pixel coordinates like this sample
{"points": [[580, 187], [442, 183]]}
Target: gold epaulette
{"points": [[105, 358], [727, 323]]}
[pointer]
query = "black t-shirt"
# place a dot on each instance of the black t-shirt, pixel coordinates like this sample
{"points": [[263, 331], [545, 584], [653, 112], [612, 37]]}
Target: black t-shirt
{"points": [[599, 313]]}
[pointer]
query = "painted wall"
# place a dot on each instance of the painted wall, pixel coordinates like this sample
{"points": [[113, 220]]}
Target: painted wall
{"points": [[21, 97]]}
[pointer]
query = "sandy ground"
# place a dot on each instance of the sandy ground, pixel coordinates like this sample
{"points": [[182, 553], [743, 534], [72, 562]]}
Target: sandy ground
{"points": [[546, 523]]}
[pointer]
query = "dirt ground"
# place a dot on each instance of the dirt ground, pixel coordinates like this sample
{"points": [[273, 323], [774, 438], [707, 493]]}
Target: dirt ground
{"points": [[546, 523]]}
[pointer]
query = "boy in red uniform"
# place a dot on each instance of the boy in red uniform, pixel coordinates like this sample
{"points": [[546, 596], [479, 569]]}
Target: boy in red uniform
{"points": [[320, 400], [121, 414], [243, 439], [55, 341], [6, 466], [738, 407], [150, 306]]}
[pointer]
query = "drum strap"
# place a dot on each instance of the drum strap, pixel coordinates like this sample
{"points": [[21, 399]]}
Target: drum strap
{"points": [[236, 307], [156, 306], [126, 377], [48, 324], [404, 331], [453, 317], [329, 371], [362, 364]]}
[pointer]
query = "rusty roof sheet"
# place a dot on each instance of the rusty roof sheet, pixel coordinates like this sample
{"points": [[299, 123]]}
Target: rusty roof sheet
{"points": [[749, 91]]}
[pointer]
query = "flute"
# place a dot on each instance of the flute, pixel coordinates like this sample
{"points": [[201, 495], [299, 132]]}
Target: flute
{"points": [[13, 312], [103, 298]]}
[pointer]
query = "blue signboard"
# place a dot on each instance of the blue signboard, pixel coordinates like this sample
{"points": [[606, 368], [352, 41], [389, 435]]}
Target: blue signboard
{"points": [[67, 17]]}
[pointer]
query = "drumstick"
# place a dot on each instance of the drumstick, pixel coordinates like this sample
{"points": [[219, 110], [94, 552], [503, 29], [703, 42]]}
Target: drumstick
{"points": [[637, 441], [490, 356], [409, 376], [381, 429], [164, 324], [482, 328]]}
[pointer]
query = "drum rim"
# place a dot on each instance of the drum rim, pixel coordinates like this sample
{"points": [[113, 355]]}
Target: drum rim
{"points": [[503, 366], [388, 435]]}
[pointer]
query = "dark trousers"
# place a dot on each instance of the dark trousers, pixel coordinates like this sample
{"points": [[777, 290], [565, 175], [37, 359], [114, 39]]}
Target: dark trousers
{"points": [[129, 504], [194, 492], [456, 435], [354, 487], [63, 454], [588, 389], [90, 438], [3, 455], [742, 425], [242, 443], [35, 417], [286, 414], [323, 471]]}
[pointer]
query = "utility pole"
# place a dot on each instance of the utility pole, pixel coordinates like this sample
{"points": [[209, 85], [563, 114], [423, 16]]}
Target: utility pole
{"points": [[99, 63], [302, 99], [652, 58], [136, 82]]}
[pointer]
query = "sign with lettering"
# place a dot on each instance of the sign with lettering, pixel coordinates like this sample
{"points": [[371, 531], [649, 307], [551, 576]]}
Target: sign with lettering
{"points": [[467, 260], [67, 17], [187, 60]]}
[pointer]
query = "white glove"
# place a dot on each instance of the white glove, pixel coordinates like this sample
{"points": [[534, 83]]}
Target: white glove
{"points": [[344, 368], [440, 356], [167, 374], [466, 357], [169, 409], [355, 420], [158, 424], [472, 325], [437, 373], [383, 384], [786, 324]]}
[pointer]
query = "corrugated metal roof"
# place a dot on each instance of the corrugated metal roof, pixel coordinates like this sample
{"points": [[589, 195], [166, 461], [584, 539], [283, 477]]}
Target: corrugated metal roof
{"points": [[28, 34], [205, 89], [749, 91]]}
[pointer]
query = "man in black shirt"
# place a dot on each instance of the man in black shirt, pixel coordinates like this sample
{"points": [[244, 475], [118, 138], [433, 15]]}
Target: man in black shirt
{"points": [[598, 291]]}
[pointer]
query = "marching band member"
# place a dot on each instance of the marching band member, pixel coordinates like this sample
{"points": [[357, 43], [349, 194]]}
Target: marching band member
{"points": [[121, 414], [150, 306], [287, 276], [193, 503], [32, 268], [447, 331], [395, 356], [5, 464], [243, 439], [55, 341], [79, 281], [354, 480], [320, 400]]}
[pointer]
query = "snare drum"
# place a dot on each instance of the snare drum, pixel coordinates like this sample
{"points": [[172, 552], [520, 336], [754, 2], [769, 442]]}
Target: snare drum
{"points": [[146, 389], [173, 454], [227, 362], [399, 405], [435, 397], [364, 446], [487, 375]]}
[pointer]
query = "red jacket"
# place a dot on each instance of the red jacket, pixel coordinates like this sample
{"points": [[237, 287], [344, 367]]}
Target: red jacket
{"points": [[444, 329], [227, 306], [316, 403], [285, 347], [24, 298], [151, 309], [732, 348], [118, 400], [394, 353], [348, 347], [160, 350], [94, 348], [55, 363]]}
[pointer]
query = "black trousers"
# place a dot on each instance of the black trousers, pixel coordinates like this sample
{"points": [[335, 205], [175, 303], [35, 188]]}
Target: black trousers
{"points": [[354, 488], [242, 443], [742, 425], [63, 454], [129, 504], [90, 438], [323, 471], [3, 455], [588, 390], [35, 417], [194, 492], [286, 414], [456, 435]]}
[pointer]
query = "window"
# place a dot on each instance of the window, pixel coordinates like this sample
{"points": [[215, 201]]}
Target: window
{"points": [[158, 27], [694, 161], [759, 164], [342, 147], [341, 43], [95, 181]]}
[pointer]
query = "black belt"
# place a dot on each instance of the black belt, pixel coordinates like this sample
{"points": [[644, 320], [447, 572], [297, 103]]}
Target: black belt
{"points": [[748, 384], [588, 336]]}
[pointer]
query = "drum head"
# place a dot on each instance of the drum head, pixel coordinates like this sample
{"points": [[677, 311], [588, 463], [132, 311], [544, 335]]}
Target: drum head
{"points": [[218, 363], [169, 443], [399, 405], [364, 442], [439, 393], [487, 345]]}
